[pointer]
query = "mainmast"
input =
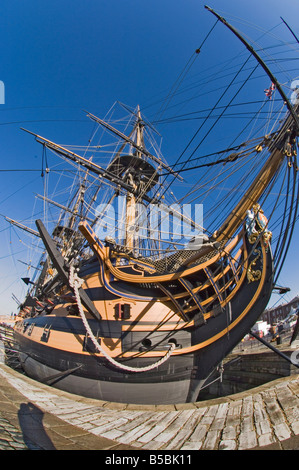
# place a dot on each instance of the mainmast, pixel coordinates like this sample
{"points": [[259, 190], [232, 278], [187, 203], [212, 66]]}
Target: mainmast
{"points": [[131, 198], [138, 173], [134, 174]]}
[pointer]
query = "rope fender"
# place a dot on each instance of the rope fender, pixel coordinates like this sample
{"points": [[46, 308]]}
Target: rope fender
{"points": [[75, 283]]}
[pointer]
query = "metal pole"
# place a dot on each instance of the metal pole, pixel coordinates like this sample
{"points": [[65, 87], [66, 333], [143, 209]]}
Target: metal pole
{"points": [[281, 354], [290, 29]]}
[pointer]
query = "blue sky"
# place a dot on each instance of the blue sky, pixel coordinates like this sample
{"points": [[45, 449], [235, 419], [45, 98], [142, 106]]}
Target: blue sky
{"points": [[59, 58]]}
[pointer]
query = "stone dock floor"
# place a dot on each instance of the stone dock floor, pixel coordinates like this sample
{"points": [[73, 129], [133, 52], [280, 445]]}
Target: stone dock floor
{"points": [[37, 417]]}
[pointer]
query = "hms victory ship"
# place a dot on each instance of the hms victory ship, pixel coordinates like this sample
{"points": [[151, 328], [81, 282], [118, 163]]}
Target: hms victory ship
{"points": [[137, 299]]}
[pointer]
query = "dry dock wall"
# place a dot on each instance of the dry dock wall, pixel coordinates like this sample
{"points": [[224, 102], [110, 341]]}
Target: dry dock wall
{"points": [[245, 371]]}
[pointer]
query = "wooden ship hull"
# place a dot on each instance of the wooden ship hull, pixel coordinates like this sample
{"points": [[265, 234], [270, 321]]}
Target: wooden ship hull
{"points": [[208, 313]]}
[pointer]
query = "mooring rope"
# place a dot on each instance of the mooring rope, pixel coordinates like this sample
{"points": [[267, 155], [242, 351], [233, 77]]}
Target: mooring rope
{"points": [[76, 282]]}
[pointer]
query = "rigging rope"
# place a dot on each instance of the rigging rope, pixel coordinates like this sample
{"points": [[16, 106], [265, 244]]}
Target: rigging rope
{"points": [[210, 113], [182, 75], [76, 283], [293, 208]]}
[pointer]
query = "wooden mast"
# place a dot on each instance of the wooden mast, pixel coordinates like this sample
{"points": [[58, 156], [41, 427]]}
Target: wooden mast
{"points": [[130, 241]]}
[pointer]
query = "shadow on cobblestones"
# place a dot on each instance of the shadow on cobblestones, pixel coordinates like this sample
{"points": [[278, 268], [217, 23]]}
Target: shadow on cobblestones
{"points": [[31, 424]]}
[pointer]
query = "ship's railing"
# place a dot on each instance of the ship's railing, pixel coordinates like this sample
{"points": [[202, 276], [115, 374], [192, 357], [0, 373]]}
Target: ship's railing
{"points": [[9, 351]]}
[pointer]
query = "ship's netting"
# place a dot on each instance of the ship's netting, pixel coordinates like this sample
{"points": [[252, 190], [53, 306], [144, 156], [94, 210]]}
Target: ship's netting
{"points": [[175, 261]]}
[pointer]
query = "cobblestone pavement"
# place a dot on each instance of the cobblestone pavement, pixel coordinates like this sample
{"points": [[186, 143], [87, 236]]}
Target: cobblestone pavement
{"points": [[35, 416]]}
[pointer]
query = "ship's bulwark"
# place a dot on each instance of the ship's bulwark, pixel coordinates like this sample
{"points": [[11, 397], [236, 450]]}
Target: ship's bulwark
{"points": [[56, 350]]}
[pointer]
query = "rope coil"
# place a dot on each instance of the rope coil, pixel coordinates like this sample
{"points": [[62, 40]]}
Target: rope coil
{"points": [[75, 283]]}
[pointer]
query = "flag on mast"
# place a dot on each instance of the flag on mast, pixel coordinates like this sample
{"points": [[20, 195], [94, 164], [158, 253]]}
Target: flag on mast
{"points": [[269, 91]]}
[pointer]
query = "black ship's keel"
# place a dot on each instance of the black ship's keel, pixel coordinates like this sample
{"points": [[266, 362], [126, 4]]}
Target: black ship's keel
{"points": [[143, 391]]}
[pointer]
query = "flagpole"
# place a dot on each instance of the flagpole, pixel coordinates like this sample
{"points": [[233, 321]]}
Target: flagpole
{"points": [[290, 29]]}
